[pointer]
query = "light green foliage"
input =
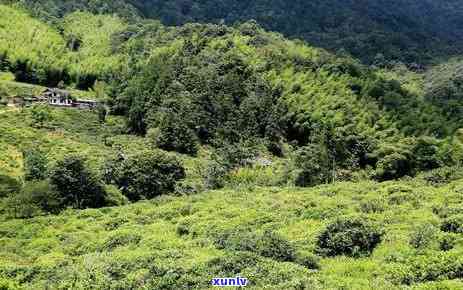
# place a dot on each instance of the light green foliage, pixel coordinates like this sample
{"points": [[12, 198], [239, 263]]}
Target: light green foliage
{"points": [[27, 39], [37, 53], [423, 236], [40, 114], [168, 237], [35, 165], [94, 56]]}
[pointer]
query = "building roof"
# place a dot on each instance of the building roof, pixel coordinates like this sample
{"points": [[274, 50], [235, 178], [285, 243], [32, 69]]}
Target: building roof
{"points": [[57, 91]]}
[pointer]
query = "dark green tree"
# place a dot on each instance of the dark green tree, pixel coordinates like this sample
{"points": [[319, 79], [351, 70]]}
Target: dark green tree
{"points": [[36, 197], [175, 135], [312, 165], [144, 175], [76, 184]]}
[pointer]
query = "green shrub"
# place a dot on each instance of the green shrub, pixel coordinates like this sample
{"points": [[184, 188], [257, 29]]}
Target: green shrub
{"points": [[114, 196], [350, 236], [183, 229], [40, 114], [436, 266], [35, 165], [426, 154], [34, 198], [20, 205], [242, 239], [373, 205], [453, 224], [76, 184], [309, 261], [226, 158], [232, 263], [423, 236], [447, 242], [272, 245], [443, 175], [268, 244], [121, 239], [145, 174], [6, 284], [312, 165], [215, 175], [394, 160], [8, 185], [188, 187], [175, 135]]}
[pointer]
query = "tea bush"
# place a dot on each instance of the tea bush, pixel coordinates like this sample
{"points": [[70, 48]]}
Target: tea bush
{"points": [[453, 224], [350, 236]]}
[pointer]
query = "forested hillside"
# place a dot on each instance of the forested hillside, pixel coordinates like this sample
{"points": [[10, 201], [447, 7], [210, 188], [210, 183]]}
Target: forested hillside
{"points": [[224, 147], [242, 91], [411, 31]]}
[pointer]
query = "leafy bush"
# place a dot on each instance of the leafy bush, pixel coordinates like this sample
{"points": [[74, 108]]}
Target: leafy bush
{"points": [[145, 174], [394, 161], [272, 245], [350, 236], [309, 261], [373, 205], [426, 154], [443, 175], [187, 187], [453, 224], [437, 266], [215, 175], [120, 239], [8, 185], [76, 184], [312, 165], [447, 242], [114, 196], [423, 236], [268, 244], [34, 198], [35, 165], [174, 135], [40, 114], [232, 263]]}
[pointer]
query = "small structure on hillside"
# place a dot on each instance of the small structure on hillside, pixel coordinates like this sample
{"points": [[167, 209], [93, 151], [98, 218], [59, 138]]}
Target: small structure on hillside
{"points": [[63, 98], [85, 104], [58, 97], [17, 101], [53, 97]]}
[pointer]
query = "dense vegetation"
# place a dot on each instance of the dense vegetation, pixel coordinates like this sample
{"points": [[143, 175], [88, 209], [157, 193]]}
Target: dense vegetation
{"points": [[272, 236], [205, 133], [411, 31]]}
